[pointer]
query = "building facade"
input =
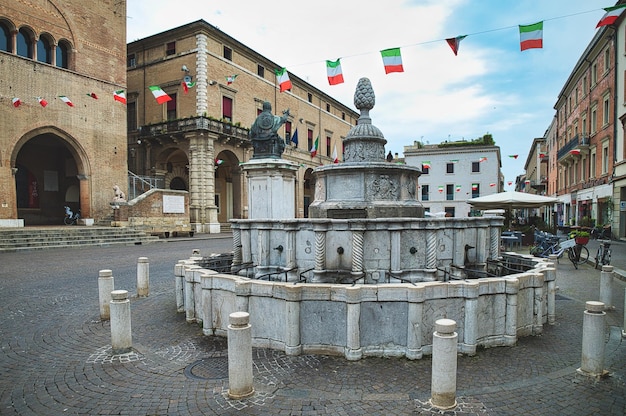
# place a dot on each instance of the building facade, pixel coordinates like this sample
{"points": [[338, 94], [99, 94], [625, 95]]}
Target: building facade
{"points": [[618, 205], [585, 135], [53, 154], [198, 140], [454, 172]]}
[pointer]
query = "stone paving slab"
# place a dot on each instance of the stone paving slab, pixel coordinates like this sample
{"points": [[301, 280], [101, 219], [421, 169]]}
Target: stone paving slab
{"points": [[55, 356]]}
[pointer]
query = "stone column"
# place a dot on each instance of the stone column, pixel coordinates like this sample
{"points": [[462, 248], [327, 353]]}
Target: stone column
{"points": [[606, 280], [443, 382], [246, 247], [320, 253], [549, 274], [179, 283], [592, 361], [414, 326], [290, 252], [510, 325], [105, 287], [293, 297], [121, 333], [396, 249], [494, 243], [190, 299], [353, 319], [240, 380], [237, 255], [208, 327], [431, 249], [538, 308], [358, 231], [143, 277], [470, 331]]}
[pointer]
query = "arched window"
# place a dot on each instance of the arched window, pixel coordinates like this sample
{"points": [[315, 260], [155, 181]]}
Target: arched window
{"points": [[63, 54], [24, 43], [44, 49], [5, 38]]}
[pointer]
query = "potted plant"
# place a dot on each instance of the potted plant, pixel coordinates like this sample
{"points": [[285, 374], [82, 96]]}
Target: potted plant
{"points": [[581, 237]]}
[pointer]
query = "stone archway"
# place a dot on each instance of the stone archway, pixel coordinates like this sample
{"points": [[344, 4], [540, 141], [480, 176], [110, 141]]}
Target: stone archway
{"points": [[228, 187], [50, 172]]}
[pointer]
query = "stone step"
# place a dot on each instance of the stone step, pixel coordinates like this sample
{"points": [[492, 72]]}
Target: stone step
{"points": [[30, 238]]}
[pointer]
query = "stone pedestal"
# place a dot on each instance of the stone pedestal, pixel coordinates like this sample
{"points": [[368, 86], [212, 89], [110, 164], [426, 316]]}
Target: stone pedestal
{"points": [[105, 287], [240, 378], [443, 384], [121, 333], [271, 188], [592, 361]]}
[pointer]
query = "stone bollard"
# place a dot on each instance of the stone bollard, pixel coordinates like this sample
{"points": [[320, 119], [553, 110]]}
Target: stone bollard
{"points": [[105, 287], [443, 382], [624, 330], [240, 383], [143, 277], [592, 361], [606, 279], [121, 335]]}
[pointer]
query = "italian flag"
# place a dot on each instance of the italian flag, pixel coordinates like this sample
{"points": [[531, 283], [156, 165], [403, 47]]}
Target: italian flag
{"points": [[458, 188], [392, 60], [474, 186], [186, 85], [334, 73], [218, 162], [455, 42], [16, 102], [92, 95], [335, 158], [454, 161], [66, 100], [426, 164], [510, 183], [440, 189], [42, 101], [611, 15], [492, 184], [120, 96], [282, 77], [514, 156], [315, 146], [483, 159], [230, 79], [531, 36], [160, 95]]}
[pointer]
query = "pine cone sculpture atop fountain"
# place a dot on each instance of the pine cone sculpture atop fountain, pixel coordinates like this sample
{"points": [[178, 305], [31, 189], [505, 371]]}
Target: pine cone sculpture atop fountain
{"points": [[364, 98]]}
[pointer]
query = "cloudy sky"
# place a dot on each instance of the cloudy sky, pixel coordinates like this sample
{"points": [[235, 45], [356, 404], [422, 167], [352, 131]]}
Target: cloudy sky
{"points": [[490, 87]]}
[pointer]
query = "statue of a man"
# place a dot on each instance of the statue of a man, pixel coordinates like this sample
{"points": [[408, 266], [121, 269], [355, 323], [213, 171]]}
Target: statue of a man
{"points": [[264, 133]]}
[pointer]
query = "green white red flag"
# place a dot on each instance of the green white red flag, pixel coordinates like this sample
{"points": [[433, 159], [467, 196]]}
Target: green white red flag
{"points": [[335, 157], [42, 101], [282, 77], [611, 15], [426, 164], [455, 43], [531, 36], [92, 95], [160, 96], [392, 59], [66, 100], [514, 156], [230, 79], [474, 186], [334, 72], [16, 102], [458, 188], [315, 147], [120, 96]]}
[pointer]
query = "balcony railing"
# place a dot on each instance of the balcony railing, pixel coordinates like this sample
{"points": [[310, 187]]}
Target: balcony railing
{"points": [[578, 141], [193, 124]]}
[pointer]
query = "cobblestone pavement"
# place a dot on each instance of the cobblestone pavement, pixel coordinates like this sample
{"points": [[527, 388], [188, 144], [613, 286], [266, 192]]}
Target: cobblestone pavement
{"points": [[56, 358]]}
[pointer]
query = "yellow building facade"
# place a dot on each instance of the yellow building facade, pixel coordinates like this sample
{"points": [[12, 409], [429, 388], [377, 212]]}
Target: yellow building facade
{"points": [[198, 139]]}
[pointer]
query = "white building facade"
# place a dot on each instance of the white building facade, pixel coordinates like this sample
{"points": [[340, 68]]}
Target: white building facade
{"points": [[454, 173]]}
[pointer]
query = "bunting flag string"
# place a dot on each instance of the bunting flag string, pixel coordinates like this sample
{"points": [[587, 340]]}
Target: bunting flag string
{"points": [[531, 36]]}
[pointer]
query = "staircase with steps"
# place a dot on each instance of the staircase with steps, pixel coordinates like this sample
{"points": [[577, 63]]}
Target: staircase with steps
{"points": [[35, 238]]}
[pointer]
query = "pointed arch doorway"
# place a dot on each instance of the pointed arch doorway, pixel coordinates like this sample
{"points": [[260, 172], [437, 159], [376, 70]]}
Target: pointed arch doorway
{"points": [[50, 173]]}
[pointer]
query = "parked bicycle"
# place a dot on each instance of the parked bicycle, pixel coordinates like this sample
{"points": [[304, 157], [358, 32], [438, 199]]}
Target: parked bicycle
{"points": [[71, 218], [603, 255], [576, 253]]}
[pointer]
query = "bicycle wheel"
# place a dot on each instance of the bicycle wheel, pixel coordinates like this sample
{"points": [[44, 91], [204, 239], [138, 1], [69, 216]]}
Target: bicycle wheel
{"points": [[67, 220], [583, 255], [598, 256]]}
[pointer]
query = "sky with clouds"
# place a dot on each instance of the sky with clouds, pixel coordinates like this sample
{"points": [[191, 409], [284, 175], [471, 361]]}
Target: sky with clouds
{"points": [[490, 87]]}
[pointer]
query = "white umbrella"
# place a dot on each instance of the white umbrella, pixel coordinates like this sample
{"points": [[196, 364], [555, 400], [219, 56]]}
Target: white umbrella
{"points": [[511, 199]]}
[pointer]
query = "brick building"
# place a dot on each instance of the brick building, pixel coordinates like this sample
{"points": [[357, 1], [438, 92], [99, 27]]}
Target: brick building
{"points": [[61, 155], [585, 133], [198, 139]]}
